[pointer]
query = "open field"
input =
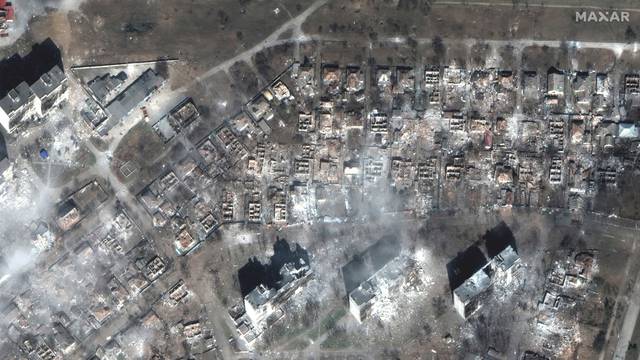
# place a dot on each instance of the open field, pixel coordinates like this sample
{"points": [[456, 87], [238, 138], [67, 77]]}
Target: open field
{"points": [[357, 20]]}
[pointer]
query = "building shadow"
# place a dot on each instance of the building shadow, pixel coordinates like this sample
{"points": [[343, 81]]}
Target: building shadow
{"points": [[255, 273], [3, 147], [367, 263], [498, 238], [464, 265], [355, 272], [16, 69], [468, 262]]}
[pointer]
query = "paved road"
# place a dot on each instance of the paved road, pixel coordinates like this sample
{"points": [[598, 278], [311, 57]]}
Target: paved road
{"points": [[630, 6]]}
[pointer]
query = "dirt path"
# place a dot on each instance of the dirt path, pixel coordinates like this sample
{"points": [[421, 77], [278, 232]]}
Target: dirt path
{"points": [[294, 24]]}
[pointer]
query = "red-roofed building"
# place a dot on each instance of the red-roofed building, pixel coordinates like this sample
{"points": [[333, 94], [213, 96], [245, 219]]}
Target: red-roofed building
{"points": [[6, 7], [7, 15]]}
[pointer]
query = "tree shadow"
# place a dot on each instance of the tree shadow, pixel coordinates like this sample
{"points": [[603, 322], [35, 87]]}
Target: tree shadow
{"points": [[464, 265]]}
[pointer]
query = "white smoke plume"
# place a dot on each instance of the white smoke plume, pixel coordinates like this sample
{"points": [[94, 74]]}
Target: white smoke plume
{"points": [[25, 201], [26, 10], [63, 5]]}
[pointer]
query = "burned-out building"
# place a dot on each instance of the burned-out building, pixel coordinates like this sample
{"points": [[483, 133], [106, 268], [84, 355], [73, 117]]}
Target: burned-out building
{"points": [[180, 117], [139, 91], [263, 301], [28, 101], [263, 305], [362, 298], [105, 86], [375, 270], [344, 144], [31, 84], [500, 271]]}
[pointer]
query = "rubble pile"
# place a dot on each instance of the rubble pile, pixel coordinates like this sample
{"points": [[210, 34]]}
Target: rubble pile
{"points": [[568, 287]]}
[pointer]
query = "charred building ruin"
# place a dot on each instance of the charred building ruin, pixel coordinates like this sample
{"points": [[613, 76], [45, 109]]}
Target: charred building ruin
{"points": [[31, 85], [370, 273]]}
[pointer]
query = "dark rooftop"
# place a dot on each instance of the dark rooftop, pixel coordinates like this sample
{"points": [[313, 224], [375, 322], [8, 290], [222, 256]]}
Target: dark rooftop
{"points": [[136, 93]]}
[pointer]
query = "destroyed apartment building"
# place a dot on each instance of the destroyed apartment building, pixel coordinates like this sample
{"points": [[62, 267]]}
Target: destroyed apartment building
{"points": [[104, 86], [139, 91], [374, 271], [500, 271], [181, 116], [80, 203], [265, 304], [569, 286], [39, 84]]}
